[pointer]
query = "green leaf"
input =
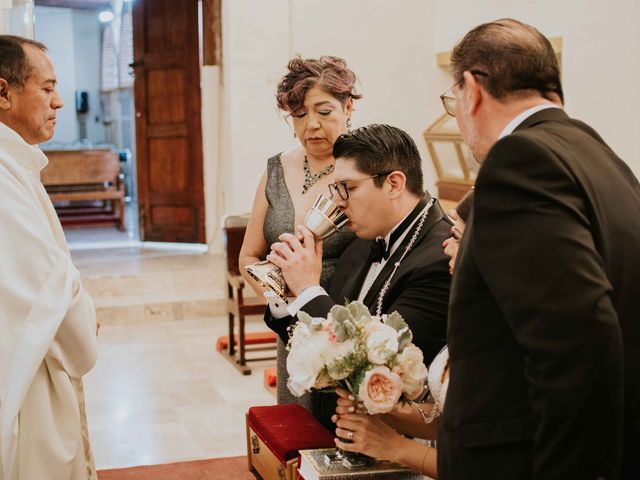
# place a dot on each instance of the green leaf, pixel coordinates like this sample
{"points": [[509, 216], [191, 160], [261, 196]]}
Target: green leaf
{"points": [[340, 369], [356, 379], [344, 366], [358, 310], [339, 313], [396, 321], [404, 339], [405, 336], [340, 316], [305, 318]]}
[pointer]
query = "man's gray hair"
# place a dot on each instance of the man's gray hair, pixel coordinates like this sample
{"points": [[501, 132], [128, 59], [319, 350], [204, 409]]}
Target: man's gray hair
{"points": [[514, 58]]}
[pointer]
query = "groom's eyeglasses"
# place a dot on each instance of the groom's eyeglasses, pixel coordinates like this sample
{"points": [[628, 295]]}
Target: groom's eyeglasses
{"points": [[341, 189]]}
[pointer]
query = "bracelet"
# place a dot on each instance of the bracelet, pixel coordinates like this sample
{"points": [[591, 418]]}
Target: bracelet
{"points": [[424, 457], [428, 417]]}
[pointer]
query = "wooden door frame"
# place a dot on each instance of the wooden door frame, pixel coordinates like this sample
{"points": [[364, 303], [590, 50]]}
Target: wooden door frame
{"points": [[211, 49], [212, 32]]}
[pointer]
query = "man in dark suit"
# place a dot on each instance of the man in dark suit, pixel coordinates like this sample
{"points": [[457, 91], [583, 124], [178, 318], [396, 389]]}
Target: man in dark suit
{"points": [[379, 186], [544, 320]]}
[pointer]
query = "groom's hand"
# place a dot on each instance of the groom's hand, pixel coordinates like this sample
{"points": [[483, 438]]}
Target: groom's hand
{"points": [[299, 260]]}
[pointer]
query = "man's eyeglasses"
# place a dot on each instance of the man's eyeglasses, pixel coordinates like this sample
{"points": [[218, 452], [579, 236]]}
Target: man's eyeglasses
{"points": [[341, 189], [449, 101]]}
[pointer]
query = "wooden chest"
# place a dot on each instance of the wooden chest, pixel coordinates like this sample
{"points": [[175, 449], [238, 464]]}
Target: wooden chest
{"points": [[276, 433]]}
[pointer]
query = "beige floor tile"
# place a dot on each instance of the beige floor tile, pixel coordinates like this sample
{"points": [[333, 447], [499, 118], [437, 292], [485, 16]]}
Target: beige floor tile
{"points": [[160, 392]]}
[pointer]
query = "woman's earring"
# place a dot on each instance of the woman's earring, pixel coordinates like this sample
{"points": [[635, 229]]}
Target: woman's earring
{"points": [[349, 124]]}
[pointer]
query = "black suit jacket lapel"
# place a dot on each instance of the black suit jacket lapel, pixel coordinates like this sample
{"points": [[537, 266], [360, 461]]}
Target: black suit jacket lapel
{"points": [[350, 276], [434, 216]]}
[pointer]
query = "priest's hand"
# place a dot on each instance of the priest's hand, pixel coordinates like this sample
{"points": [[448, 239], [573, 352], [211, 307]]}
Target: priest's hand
{"points": [[300, 259]]}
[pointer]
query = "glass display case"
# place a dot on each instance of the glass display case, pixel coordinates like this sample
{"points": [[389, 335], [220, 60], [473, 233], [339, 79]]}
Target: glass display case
{"points": [[452, 159]]}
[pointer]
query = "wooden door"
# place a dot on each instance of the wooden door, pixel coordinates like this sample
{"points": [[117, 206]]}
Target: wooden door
{"points": [[168, 128]]}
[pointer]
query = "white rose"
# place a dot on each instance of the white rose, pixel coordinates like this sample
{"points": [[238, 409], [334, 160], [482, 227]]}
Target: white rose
{"points": [[300, 335], [380, 390], [414, 372], [305, 360], [382, 343]]}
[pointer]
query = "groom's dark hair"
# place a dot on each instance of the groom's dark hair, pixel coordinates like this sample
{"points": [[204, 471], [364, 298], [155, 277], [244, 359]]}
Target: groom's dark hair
{"points": [[378, 149]]}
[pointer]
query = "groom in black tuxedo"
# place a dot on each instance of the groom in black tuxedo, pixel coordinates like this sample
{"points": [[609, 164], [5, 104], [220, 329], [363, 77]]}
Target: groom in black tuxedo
{"points": [[396, 262], [544, 323]]}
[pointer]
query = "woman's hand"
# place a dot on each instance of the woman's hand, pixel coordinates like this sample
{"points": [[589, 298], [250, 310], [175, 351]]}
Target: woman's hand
{"points": [[347, 404], [452, 243], [451, 246], [368, 434]]}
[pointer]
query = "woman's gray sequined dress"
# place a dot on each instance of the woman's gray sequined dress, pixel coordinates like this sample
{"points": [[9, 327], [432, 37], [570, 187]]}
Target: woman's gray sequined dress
{"points": [[279, 219]]}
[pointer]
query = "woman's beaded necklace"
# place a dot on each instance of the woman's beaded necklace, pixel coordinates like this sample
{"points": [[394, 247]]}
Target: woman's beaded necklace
{"points": [[310, 180]]}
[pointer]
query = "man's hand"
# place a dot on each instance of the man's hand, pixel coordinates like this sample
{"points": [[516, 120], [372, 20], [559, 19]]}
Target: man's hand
{"points": [[299, 260]]}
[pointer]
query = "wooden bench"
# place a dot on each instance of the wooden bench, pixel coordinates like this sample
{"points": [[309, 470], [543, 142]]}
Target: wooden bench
{"points": [[88, 176]]}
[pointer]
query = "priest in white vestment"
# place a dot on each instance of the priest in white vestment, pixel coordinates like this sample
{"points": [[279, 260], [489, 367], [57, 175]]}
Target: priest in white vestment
{"points": [[47, 320]]}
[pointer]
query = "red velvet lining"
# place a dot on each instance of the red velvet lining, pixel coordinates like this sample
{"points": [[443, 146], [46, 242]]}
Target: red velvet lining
{"points": [[285, 429]]}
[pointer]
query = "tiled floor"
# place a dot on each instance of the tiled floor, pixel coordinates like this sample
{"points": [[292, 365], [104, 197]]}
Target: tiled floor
{"points": [[160, 392]]}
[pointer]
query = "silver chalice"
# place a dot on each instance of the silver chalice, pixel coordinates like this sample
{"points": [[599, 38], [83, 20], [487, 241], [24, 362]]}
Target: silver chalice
{"points": [[323, 220]]}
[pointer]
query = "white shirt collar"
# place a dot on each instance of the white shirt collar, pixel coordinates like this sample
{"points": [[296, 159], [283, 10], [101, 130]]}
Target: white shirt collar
{"points": [[387, 237], [521, 117]]}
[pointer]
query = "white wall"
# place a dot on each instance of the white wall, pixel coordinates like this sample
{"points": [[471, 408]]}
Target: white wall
{"points": [[255, 51], [212, 153], [73, 41], [388, 45], [392, 48], [87, 33], [54, 28], [600, 56]]}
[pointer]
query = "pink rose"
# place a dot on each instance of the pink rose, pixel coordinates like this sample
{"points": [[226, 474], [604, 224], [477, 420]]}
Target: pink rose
{"points": [[380, 390]]}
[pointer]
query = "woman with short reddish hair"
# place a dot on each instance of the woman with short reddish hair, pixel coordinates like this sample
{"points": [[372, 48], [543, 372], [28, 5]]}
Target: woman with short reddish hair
{"points": [[318, 95]]}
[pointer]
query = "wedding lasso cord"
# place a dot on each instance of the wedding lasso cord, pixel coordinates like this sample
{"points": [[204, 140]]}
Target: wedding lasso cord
{"points": [[397, 264]]}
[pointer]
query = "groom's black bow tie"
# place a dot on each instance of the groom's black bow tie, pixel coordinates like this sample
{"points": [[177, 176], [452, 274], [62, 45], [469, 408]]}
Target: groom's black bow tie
{"points": [[379, 251]]}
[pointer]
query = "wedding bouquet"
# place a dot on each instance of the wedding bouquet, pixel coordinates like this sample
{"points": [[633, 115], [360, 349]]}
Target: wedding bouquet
{"points": [[371, 357]]}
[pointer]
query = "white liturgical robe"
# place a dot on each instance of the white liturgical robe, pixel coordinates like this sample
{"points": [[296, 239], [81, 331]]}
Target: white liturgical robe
{"points": [[47, 329]]}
